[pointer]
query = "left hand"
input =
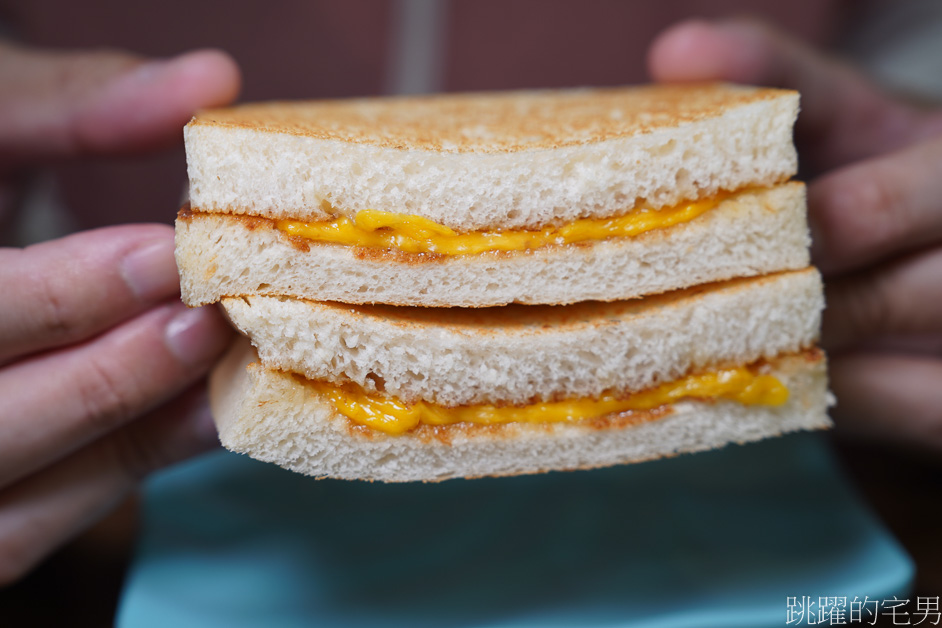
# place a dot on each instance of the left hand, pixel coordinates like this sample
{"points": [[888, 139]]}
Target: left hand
{"points": [[100, 363]]}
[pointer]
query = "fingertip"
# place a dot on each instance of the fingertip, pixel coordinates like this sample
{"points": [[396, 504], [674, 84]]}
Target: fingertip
{"points": [[887, 396], [148, 105], [95, 258], [179, 430], [197, 336], [674, 50], [211, 77], [702, 50], [820, 226], [150, 270], [202, 426], [67, 290]]}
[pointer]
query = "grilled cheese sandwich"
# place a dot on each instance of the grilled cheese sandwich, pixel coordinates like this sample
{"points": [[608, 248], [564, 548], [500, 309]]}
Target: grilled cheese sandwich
{"points": [[652, 232]]}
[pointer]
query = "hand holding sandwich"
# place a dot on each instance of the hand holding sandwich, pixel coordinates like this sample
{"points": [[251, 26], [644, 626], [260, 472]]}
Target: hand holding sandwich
{"points": [[98, 358], [874, 210]]}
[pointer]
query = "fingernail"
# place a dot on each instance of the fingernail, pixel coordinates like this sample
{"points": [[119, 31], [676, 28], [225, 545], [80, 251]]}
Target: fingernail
{"points": [[146, 71], [129, 83], [197, 336], [151, 271]]}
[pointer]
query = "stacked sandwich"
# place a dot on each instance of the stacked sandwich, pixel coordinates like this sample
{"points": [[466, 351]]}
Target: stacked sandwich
{"points": [[495, 284]]}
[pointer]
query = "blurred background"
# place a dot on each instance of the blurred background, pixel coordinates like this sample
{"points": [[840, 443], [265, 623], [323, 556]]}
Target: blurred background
{"points": [[290, 49], [334, 49]]}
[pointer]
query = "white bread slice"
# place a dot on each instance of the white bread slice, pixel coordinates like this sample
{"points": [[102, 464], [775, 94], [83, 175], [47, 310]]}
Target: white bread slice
{"points": [[516, 354], [752, 233], [500, 160], [275, 417]]}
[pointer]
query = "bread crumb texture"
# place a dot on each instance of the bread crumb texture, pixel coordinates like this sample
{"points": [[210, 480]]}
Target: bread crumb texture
{"points": [[504, 160]]}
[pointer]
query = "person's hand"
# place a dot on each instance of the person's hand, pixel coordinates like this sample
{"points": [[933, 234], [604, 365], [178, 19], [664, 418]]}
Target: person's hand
{"points": [[875, 207], [100, 363]]}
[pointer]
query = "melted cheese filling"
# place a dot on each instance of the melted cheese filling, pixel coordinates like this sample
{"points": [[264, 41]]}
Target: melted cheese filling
{"points": [[372, 228], [392, 416]]}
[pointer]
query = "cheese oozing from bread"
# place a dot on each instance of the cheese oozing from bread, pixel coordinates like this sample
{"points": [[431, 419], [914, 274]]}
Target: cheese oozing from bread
{"points": [[745, 385], [377, 229], [278, 417], [753, 232]]}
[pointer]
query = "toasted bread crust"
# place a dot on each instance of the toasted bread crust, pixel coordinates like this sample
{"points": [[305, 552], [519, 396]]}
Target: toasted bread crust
{"points": [[521, 354], [491, 161], [486, 123], [270, 416], [749, 234]]}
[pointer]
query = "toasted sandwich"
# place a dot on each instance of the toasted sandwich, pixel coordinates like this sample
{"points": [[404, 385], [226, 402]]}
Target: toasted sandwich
{"points": [[483, 200], [605, 276]]}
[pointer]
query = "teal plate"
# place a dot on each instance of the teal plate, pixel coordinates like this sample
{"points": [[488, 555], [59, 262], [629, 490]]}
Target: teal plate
{"points": [[715, 539]]}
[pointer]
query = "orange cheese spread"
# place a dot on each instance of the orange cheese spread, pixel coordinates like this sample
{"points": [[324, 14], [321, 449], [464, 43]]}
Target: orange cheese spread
{"points": [[372, 228], [392, 416]]}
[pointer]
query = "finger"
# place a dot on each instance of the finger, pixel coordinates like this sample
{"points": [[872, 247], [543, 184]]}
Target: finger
{"points": [[876, 209], [57, 402], [844, 118], [56, 104], [894, 397], [913, 344], [894, 300], [67, 290], [43, 511]]}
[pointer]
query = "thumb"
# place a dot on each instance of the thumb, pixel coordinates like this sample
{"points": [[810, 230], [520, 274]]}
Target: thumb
{"points": [[59, 104], [844, 116]]}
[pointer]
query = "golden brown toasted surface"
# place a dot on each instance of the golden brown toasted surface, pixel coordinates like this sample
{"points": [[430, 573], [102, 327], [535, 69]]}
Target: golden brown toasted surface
{"points": [[492, 123]]}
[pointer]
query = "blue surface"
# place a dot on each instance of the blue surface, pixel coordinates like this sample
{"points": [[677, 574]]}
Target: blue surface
{"points": [[713, 539]]}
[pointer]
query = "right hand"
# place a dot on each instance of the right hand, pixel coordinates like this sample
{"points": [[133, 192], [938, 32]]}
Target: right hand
{"points": [[875, 212], [100, 363]]}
